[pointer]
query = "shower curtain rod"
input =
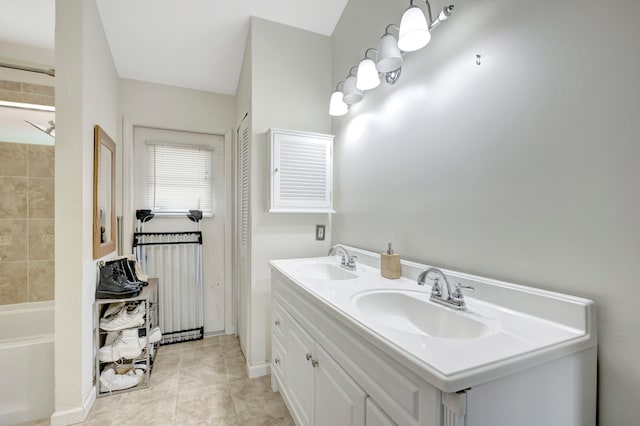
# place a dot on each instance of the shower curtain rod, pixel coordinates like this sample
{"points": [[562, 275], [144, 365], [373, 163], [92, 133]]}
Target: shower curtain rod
{"points": [[50, 71]]}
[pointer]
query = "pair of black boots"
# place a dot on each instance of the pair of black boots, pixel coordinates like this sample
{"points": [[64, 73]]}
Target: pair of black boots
{"points": [[118, 280]]}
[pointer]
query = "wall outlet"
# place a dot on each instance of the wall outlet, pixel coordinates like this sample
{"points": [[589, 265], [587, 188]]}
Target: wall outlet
{"points": [[47, 240], [5, 240], [319, 232]]}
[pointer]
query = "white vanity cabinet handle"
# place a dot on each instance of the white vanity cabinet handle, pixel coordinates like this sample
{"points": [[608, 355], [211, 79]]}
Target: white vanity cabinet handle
{"points": [[308, 356], [314, 363], [277, 323]]}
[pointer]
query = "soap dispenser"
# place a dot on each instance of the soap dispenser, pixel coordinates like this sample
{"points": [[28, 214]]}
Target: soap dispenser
{"points": [[390, 264]]}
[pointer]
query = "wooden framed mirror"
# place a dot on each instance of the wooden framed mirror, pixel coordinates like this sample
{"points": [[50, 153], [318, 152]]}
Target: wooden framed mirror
{"points": [[104, 193]]}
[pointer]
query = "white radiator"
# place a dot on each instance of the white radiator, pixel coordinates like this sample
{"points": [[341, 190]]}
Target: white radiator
{"points": [[175, 258]]}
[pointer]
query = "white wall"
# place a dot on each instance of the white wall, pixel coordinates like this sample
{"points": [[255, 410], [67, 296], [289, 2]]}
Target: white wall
{"points": [[168, 107], [523, 168], [86, 94], [290, 79]]}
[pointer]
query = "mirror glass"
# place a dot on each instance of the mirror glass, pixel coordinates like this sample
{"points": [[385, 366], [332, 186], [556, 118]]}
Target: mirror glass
{"points": [[104, 235]]}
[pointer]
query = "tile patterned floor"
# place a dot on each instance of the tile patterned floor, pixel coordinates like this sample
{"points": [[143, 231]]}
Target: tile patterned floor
{"points": [[196, 383]]}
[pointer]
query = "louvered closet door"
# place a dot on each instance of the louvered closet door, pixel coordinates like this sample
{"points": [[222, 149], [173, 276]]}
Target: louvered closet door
{"points": [[243, 242]]}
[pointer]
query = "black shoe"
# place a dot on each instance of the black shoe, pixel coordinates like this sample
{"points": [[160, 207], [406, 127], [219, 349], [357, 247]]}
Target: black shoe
{"points": [[132, 268], [129, 276], [113, 283]]}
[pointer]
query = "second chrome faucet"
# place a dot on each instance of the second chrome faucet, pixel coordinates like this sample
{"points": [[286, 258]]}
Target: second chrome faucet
{"points": [[454, 299], [348, 261]]}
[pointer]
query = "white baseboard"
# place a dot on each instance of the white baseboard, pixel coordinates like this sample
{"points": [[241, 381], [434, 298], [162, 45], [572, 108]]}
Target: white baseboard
{"points": [[74, 415], [258, 370]]}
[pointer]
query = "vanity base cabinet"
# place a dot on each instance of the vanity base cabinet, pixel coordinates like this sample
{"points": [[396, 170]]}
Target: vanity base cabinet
{"points": [[326, 373], [339, 400], [317, 391], [375, 416], [559, 393]]}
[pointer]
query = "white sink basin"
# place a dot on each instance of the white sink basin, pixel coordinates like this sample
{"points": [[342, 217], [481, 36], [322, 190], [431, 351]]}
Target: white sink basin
{"points": [[412, 312], [325, 271]]}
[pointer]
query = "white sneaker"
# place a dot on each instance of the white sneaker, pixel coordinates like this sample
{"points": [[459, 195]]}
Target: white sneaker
{"points": [[126, 318], [112, 309], [127, 345], [110, 380], [155, 335]]}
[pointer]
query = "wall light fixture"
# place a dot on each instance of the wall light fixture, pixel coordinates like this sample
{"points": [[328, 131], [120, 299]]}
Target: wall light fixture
{"points": [[415, 27], [337, 106], [414, 33], [367, 77], [352, 95]]}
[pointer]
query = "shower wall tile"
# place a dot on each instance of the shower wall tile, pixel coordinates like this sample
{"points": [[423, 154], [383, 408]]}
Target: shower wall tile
{"points": [[13, 197], [38, 99], [41, 160], [13, 240], [13, 282], [41, 241], [41, 281], [38, 89], [6, 95], [13, 159], [41, 198], [13, 86], [26, 208]]}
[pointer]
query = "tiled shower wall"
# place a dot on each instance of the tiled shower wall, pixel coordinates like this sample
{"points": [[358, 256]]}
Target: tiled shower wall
{"points": [[26, 208], [26, 223]]}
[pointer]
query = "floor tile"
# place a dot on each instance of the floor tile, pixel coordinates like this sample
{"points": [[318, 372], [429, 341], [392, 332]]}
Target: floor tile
{"points": [[201, 382]]}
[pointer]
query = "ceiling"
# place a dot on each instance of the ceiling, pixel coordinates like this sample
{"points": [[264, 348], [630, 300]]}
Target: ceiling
{"points": [[195, 44]]}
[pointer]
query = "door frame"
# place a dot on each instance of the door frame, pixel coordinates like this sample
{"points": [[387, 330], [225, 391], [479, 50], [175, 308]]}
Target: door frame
{"points": [[125, 161]]}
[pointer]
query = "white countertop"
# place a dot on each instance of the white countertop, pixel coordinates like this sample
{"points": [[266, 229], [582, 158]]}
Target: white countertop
{"points": [[527, 326]]}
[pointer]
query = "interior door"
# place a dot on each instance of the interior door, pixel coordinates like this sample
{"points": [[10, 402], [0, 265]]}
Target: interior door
{"points": [[242, 262], [213, 234]]}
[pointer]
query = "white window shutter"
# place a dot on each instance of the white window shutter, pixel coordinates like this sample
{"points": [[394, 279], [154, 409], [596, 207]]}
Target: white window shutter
{"points": [[301, 172]]}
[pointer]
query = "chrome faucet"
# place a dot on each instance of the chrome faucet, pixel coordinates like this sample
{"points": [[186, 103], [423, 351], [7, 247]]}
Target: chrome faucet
{"points": [[348, 261], [454, 299]]}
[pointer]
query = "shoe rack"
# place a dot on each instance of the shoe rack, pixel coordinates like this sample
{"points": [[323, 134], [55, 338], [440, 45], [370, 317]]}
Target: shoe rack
{"points": [[149, 298]]}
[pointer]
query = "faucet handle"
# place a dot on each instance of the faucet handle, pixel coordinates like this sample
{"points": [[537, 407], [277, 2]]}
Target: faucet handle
{"points": [[435, 288], [351, 262], [457, 293]]}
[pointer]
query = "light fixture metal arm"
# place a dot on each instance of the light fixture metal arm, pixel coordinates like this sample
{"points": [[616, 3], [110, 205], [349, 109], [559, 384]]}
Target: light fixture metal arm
{"points": [[366, 52], [430, 22]]}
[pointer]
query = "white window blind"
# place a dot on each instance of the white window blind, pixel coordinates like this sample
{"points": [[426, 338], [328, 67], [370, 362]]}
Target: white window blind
{"points": [[179, 178]]}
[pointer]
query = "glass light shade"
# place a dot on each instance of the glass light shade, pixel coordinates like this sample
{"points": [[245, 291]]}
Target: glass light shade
{"points": [[414, 30], [337, 106], [389, 56], [367, 77], [352, 95]]}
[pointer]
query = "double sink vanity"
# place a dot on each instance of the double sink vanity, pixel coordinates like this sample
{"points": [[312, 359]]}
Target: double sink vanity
{"points": [[350, 347]]}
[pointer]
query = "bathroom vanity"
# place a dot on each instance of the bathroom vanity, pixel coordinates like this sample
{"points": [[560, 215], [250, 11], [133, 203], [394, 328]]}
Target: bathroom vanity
{"points": [[353, 348]]}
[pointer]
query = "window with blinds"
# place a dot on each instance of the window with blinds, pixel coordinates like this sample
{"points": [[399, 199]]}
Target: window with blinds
{"points": [[179, 178], [302, 168]]}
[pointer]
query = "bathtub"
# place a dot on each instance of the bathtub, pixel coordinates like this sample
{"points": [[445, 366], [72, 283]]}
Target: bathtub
{"points": [[26, 362]]}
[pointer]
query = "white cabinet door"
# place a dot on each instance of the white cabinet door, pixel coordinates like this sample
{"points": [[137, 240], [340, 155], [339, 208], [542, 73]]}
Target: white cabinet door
{"points": [[339, 400], [377, 417], [300, 373]]}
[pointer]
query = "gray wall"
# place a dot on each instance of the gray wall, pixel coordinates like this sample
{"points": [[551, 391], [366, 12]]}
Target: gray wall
{"points": [[290, 78], [522, 169]]}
